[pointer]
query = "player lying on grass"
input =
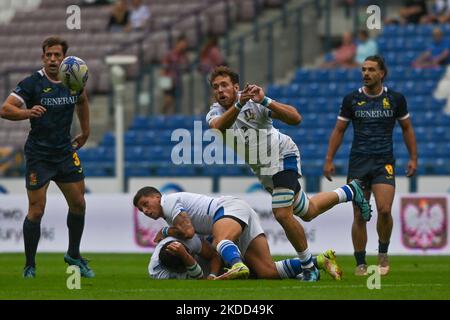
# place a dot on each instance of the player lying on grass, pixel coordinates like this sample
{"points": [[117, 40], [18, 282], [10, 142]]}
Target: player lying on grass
{"points": [[195, 258], [227, 220]]}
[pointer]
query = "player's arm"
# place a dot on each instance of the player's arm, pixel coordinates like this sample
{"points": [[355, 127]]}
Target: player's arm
{"points": [[333, 145], [410, 140], [12, 110], [227, 119], [82, 109], [182, 227], [193, 269], [210, 254], [284, 112]]}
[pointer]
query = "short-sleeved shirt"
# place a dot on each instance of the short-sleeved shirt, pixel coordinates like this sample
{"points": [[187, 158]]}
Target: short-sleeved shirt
{"points": [[157, 271], [200, 209], [49, 138], [256, 135], [373, 119]]}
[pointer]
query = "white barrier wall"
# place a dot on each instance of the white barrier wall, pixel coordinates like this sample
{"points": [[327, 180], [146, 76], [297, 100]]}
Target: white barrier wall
{"points": [[401, 184], [172, 184], [421, 225], [93, 185], [430, 184]]}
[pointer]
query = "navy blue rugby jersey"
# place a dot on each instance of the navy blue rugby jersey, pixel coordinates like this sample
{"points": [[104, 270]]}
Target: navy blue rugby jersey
{"points": [[373, 119], [49, 137]]}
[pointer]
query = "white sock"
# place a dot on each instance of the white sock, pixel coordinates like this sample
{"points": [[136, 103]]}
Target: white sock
{"points": [[305, 259], [344, 193]]}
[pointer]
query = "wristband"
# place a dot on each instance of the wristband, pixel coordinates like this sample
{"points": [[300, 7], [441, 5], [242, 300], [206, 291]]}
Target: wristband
{"points": [[195, 271], [165, 232], [238, 105], [266, 101]]}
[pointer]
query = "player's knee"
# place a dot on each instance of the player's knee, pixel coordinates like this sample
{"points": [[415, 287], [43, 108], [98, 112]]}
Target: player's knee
{"points": [[282, 201], [36, 208], [282, 214], [384, 210], [78, 206]]}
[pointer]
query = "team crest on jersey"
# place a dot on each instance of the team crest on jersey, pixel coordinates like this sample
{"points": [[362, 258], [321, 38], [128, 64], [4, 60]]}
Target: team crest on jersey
{"points": [[386, 104], [33, 179], [389, 169], [249, 114]]}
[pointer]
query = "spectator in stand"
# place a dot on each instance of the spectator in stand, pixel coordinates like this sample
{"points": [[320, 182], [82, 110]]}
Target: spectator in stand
{"points": [[440, 12], [174, 63], [366, 47], [210, 55], [139, 16], [437, 54], [413, 11], [344, 56], [119, 18]]}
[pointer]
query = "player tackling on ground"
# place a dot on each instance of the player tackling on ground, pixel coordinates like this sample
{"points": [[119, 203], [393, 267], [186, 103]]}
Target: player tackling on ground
{"points": [[248, 114], [373, 110], [236, 234]]}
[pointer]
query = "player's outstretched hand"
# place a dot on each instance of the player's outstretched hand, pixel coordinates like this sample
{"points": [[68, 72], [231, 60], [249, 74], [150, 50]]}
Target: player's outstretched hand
{"points": [[36, 112], [412, 167], [246, 94], [329, 170], [79, 141], [258, 93]]}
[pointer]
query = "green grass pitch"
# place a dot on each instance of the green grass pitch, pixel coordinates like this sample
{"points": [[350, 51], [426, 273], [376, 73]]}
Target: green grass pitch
{"points": [[124, 276]]}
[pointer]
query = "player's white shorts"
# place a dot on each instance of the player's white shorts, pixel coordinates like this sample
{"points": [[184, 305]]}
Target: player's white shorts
{"points": [[237, 208], [286, 162]]}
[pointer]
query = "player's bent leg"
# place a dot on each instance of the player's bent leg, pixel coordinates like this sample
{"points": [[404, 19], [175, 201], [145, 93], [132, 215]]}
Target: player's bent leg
{"points": [[384, 196], [32, 228], [259, 259], [225, 231]]}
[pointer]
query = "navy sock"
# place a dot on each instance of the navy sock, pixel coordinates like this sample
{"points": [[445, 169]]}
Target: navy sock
{"points": [[31, 235], [383, 247], [75, 223], [360, 257]]}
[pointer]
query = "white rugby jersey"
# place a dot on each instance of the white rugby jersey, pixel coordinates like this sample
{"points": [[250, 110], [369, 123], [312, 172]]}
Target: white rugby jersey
{"points": [[156, 271], [258, 118], [200, 209]]}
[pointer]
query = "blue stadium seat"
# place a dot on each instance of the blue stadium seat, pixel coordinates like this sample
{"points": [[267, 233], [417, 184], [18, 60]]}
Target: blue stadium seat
{"points": [[109, 139]]}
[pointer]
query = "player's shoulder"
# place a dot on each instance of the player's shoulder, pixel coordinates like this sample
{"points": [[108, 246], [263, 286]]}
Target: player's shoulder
{"points": [[34, 77], [394, 94], [216, 106], [356, 94]]}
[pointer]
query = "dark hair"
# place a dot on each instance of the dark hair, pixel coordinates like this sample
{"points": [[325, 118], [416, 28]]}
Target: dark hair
{"points": [[379, 59], [364, 33], [172, 262], [54, 41], [144, 192], [224, 71]]}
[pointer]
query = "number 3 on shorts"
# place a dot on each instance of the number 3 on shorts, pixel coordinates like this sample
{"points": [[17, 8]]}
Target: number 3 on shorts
{"points": [[76, 160]]}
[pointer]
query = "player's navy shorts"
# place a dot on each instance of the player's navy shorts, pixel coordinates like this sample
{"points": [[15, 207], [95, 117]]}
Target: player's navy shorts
{"points": [[39, 172], [371, 170]]}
